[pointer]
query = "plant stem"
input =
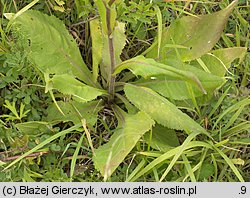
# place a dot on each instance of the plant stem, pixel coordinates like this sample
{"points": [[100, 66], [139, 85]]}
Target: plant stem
{"points": [[111, 78], [111, 2]]}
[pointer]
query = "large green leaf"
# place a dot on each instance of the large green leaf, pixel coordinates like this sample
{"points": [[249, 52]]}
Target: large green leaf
{"points": [[74, 112], [192, 36], [52, 48], [218, 61], [149, 68], [69, 85], [162, 139], [178, 89], [160, 109], [109, 156]]}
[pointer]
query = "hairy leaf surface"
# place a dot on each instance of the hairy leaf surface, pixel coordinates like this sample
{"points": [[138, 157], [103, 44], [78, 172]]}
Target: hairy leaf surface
{"points": [[109, 156], [160, 109], [52, 48]]}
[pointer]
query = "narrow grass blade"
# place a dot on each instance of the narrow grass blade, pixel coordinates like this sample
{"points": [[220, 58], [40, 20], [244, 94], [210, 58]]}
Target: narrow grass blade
{"points": [[189, 168], [234, 107], [42, 144], [136, 170], [74, 158], [204, 155], [237, 129], [182, 148], [230, 164], [196, 167], [218, 103], [168, 155], [233, 118], [215, 167], [88, 135]]}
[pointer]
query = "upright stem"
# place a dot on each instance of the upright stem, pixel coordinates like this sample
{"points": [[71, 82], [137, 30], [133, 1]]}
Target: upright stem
{"points": [[111, 78], [111, 2]]}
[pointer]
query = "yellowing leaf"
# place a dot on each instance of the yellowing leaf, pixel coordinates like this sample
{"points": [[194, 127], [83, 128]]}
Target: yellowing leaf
{"points": [[60, 3], [59, 8], [108, 157], [238, 161], [199, 34]]}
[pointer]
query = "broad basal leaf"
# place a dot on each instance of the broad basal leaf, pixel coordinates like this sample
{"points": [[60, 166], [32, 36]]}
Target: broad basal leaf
{"points": [[52, 48], [163, 139], [218, 61], [197, 35], [160, 109], [77, 89], [177, 89], [74, 112], [149, 68], [108, 157]]}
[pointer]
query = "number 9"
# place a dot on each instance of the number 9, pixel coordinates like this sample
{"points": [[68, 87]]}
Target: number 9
{"points": [[243, 190]]}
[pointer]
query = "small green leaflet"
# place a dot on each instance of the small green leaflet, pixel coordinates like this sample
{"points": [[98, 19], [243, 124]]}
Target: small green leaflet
{"points": [[79, 91]]}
